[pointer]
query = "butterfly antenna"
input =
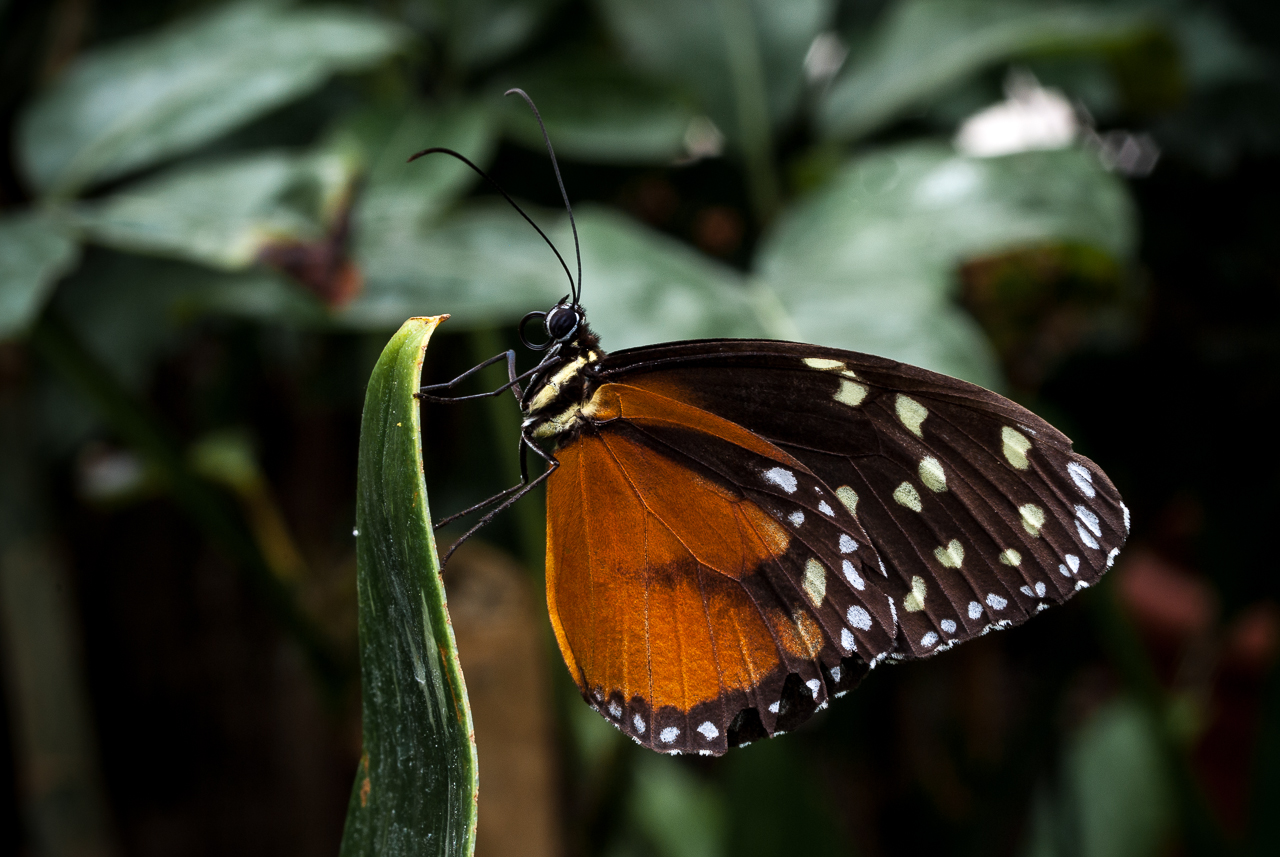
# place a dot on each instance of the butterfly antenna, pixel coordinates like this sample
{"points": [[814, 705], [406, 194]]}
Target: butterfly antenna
{"points": [[577, 290], [434, 149]]}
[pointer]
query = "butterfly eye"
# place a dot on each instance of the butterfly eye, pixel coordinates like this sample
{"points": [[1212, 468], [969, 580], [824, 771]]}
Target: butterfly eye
{"points": [[561, 322]]}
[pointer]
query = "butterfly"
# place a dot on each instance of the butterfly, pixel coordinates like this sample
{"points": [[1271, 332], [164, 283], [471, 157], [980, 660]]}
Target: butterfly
{"points": [[738, 530]]}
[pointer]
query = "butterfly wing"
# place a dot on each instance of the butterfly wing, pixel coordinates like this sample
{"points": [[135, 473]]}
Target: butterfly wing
{"points": [[705, 588], [980, 511]]}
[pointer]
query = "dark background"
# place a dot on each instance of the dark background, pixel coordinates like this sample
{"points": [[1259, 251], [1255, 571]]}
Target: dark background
{"points": [[180, 413]]}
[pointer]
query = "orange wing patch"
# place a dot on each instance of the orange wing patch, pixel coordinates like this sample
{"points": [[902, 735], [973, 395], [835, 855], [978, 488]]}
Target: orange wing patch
{"points": [[658, 585]]}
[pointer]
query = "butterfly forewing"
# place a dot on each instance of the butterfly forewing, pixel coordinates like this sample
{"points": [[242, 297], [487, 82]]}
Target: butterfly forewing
{"points": [[979, 510]]}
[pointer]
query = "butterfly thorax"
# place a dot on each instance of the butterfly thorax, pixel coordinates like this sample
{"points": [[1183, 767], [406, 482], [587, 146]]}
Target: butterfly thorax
{"points": [[556, 398]]}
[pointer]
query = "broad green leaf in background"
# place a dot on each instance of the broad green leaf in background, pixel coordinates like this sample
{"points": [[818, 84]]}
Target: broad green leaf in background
{"points": [[924, 47], [479, 32], [398, 196], [35, 250], [483, 262], [596, 109], [684, 42], [223, 214], [868, 262], [130, 105], [415, 787], [640, 287], [1113, 799]]}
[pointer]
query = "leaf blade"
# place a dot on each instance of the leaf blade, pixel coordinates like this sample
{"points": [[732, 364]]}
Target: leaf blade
{"points": [[415, 790]]}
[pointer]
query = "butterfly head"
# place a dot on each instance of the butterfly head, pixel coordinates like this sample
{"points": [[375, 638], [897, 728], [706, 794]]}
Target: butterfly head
{"points": [[563, 323]]}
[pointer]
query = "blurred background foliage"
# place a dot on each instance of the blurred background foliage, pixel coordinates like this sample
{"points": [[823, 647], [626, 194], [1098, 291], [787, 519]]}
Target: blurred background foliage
{"points": [[208, 230]]}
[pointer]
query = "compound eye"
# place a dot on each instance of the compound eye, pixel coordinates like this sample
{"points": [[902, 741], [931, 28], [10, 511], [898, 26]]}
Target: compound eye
{"points": [[561, 323]]}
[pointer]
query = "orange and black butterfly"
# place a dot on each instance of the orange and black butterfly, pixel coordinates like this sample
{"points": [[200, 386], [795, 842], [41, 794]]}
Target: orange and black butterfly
{"points": [[739, 530]]}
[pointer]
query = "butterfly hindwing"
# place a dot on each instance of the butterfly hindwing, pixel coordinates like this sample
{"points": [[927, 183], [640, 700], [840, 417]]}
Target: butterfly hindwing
{"points": [[980, 510], [706, 589]]}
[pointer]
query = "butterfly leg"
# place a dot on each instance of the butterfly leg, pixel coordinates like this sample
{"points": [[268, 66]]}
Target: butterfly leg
{"points": [[424, 393], [507, 497]]}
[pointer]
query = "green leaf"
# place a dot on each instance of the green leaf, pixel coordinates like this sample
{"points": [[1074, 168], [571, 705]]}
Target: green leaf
{"points": [[595, 109], [1114, 798], [490, 268], [223, 214], [130, 105], [35, 250], [484, 263], [415, 788], [404, 197], [641, 287], [927, 46], [868, 262], [480, 32], [685, 42]]}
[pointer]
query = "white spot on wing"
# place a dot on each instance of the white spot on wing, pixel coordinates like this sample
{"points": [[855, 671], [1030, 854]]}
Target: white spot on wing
{"points": [[1015, 447], [859, 618], [835, 674], [932, 474], [1073, 562], [671, 733], [774, 707], [1082, 477], [949, 625], [783, 478], [1086, 536], [1040, 589], [1062, 569], [815, 581], [951, 554], [850, 393], [615, 709], [911, 413], [709, 730], [847, 544], [1026, 590], [995, 602], [825, 508], [1111, 557], [975, 609], [893, 611], [847, 640], [796, 518], [929, 639], [906, 495], [639, 722], [855, 579], [914, 600], [823, 364], [1125, 509], [1032, 518], [1011, 557], [1090, 520], [814, 686]]}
